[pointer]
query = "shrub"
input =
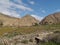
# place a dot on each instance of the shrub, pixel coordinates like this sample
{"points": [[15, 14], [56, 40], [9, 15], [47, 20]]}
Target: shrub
{"points": [[31, 40], [36, 24], [24, 41], [1, 24]]}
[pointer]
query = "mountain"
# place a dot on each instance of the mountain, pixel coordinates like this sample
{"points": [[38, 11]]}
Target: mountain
{"points": [[51, 19], [12, 21], [28, 20]]}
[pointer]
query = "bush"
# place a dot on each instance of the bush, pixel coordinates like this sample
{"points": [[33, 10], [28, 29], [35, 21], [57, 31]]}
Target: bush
{"points": [[1, 24], [56, 31], [36, 24], [31, 40], [24, 41]]}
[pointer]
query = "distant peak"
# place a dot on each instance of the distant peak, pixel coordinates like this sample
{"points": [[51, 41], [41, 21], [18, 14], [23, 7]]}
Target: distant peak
{"points": [[27, 15]]}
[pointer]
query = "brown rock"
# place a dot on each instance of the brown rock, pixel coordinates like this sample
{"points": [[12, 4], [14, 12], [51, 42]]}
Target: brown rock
{"points": [[51, 19], [12, 21]]}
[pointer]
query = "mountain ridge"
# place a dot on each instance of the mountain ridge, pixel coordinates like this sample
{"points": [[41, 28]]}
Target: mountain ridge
{"points": [[12, 21], [51, 19]]}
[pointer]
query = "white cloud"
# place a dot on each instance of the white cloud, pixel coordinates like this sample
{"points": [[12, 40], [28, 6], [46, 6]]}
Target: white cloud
{"points": [[32, 2], [19, 1], [37, 17], [43, 11], [22, 7], [5, 7], [58, 10], [12, 13]]}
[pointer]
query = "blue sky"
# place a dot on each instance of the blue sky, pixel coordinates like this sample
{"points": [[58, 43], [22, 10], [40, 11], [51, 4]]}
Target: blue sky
{"points": [[36, 8]]}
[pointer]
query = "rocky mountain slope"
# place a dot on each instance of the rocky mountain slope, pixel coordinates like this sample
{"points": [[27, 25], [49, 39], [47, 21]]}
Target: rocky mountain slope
{"points": [[51, 19], [12, 21]]}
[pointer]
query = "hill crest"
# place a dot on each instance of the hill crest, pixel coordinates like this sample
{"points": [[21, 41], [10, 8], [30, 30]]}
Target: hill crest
{"points": [[51, 19], [12, 21]]}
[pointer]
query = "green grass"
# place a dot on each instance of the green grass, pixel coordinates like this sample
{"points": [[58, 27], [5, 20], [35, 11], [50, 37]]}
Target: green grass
{"points": [[49, 43], [26, 30]]}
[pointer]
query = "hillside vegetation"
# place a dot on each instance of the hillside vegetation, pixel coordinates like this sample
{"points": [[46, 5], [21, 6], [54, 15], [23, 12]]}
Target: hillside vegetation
{"points": [[27, 30]]}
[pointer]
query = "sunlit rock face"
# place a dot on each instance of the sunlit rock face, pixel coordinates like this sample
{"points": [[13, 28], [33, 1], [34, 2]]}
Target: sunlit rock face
{"points": [[17, 22], [51, 19]]}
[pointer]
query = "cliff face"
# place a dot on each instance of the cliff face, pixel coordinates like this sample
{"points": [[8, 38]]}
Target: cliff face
{"points": [[51, 19], [12, 21]]}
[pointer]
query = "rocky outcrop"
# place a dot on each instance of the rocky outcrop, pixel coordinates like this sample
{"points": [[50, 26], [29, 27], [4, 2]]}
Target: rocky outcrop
{"points": [[55, 37], [48, 37], [51, 19]]}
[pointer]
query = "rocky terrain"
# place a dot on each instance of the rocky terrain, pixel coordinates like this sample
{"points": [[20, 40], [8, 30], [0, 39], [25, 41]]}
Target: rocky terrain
{"points": [[51, 19], [28, 31], [28, 20], [31, 39], [17, 22]]}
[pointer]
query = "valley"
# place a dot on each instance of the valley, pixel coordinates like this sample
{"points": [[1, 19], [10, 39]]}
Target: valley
{"points": [[29, 31]]}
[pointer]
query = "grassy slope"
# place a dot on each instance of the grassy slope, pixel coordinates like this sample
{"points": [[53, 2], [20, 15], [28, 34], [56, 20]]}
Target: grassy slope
{"points": [[29, 29]]}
